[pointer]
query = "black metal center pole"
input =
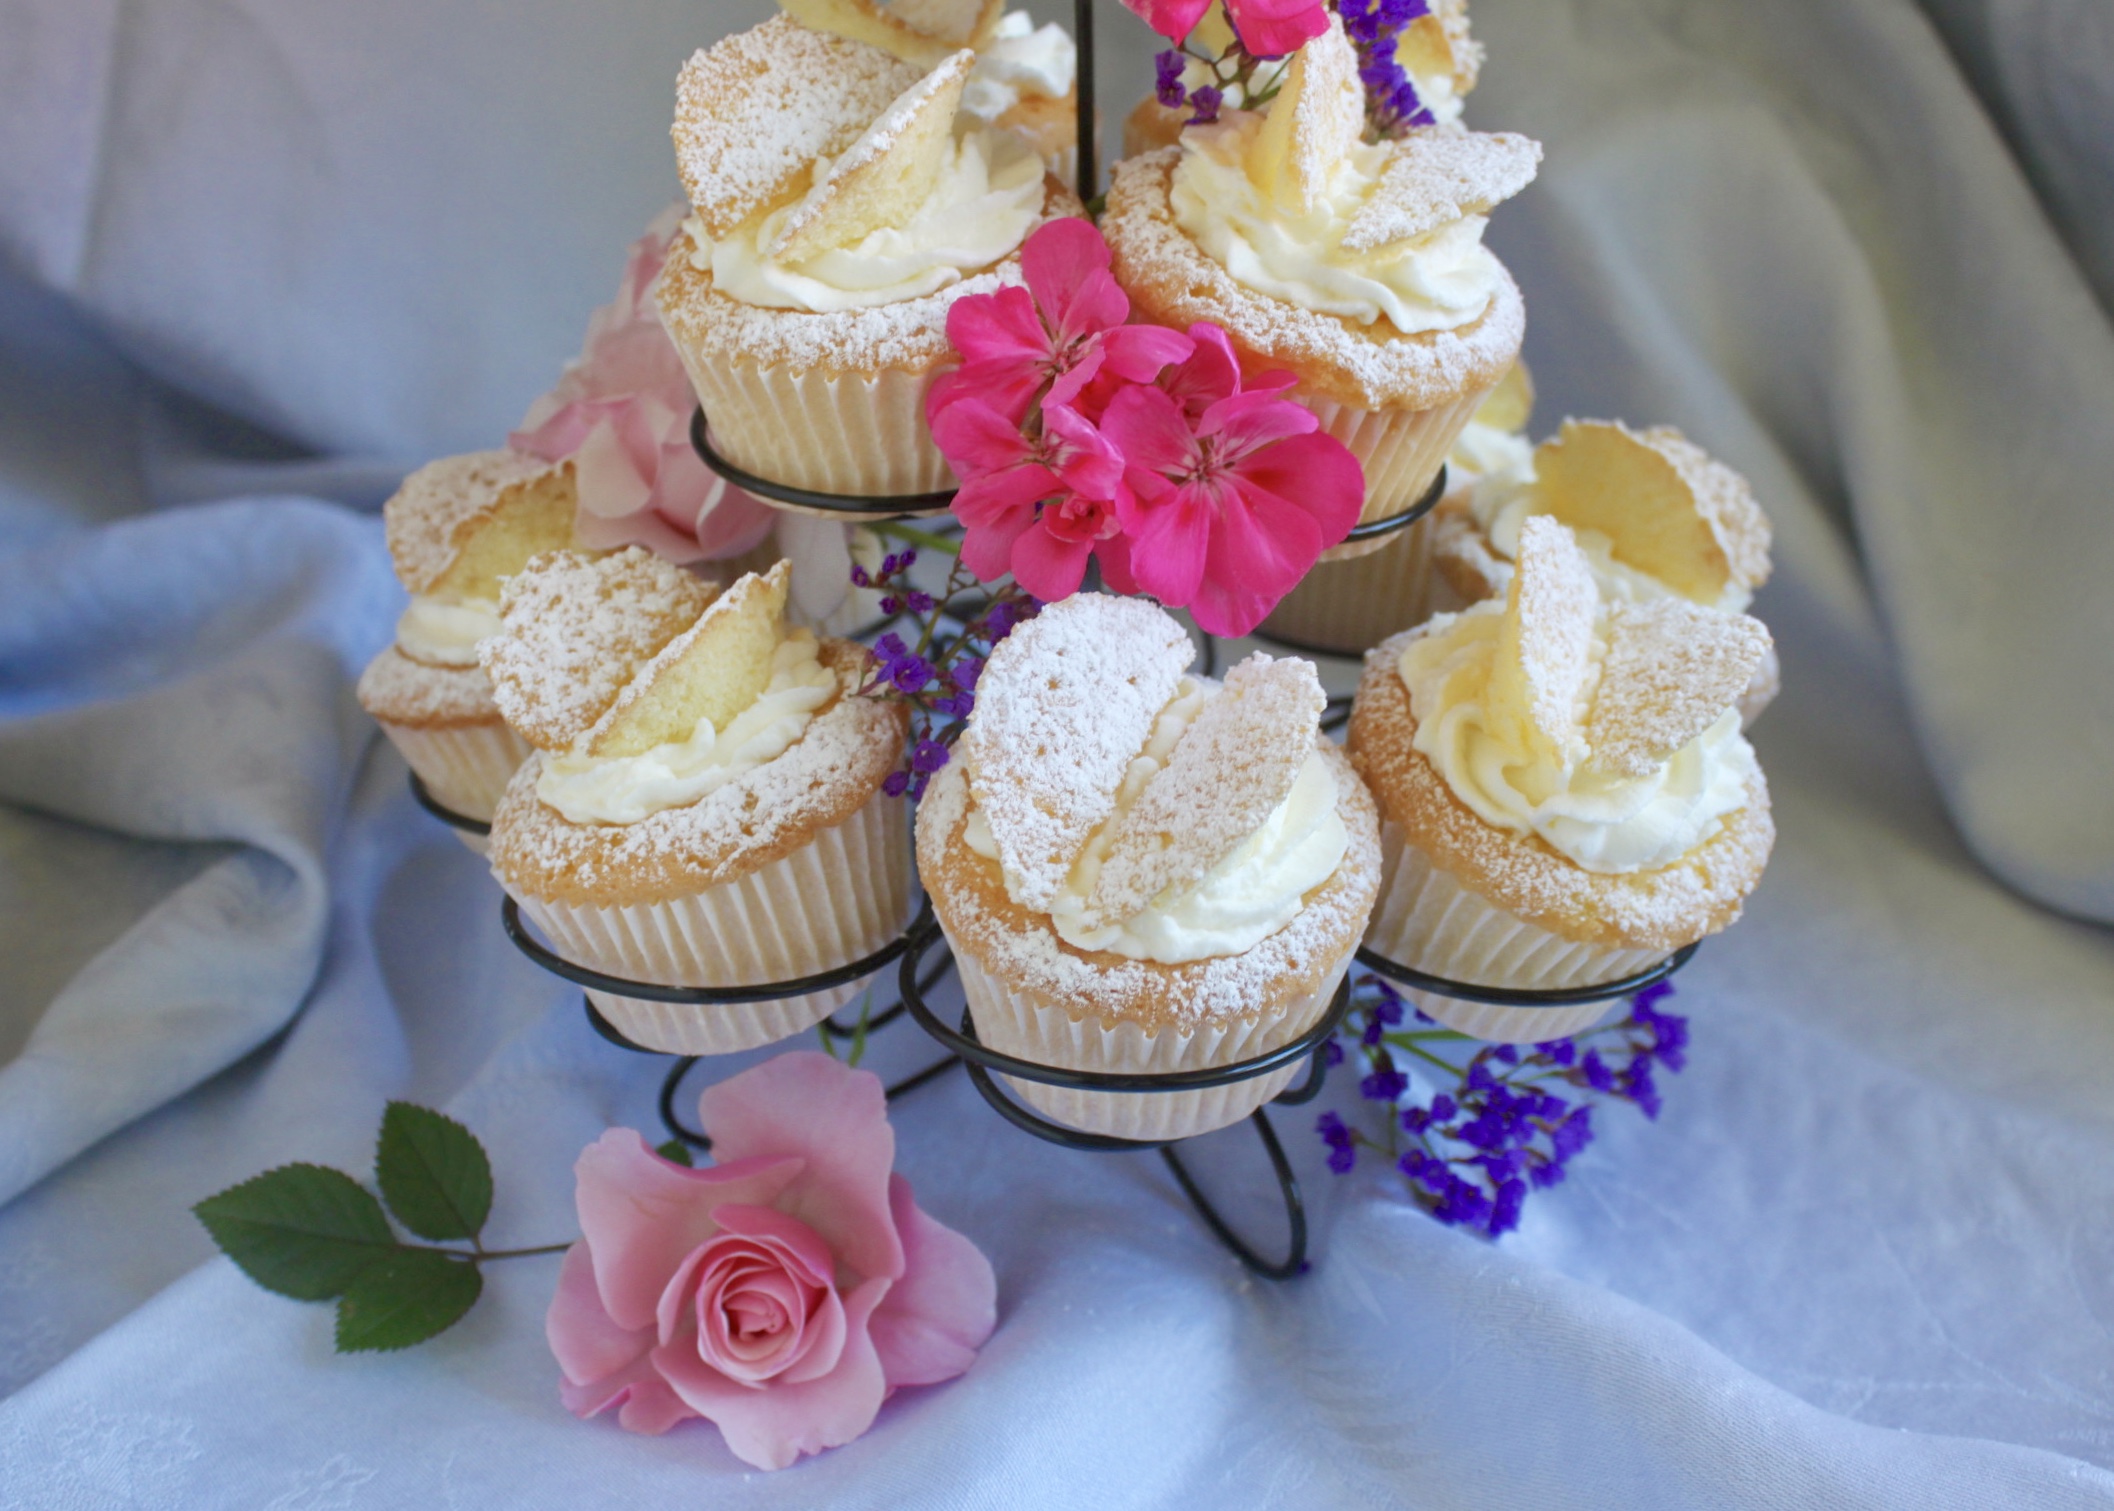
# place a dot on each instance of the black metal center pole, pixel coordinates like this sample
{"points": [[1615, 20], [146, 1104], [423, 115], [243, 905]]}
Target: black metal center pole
{"points": [[1083, 86]]}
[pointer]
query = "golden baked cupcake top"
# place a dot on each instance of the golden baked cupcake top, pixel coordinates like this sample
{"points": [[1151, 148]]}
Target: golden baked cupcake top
{"points": [[1111, 808], [683, 735], [1575, 757]]}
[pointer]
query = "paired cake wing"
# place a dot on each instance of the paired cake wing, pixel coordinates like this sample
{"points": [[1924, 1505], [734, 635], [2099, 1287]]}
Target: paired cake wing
{"points": [[755, 110], [712, 670], [1435, 176], [1231, 770], [958, 23], [1066, 702], [886, 174], [576, 630], [891, 30], [1316, 118], [1544, 653], [1668, 507], [460, 524], [1673, 668], [1439, 42]]}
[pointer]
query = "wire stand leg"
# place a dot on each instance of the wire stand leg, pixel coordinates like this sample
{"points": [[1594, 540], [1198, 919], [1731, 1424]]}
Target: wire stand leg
{"points": [[669, 1088], [1287, 1184]]}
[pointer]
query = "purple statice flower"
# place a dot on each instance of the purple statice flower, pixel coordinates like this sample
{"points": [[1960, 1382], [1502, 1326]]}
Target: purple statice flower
{"points": [[895, 783], [910, 673], [1504, 1211], [1375, 28], [1167, 77], [1333, 1053], [1206, 102], [1558, 1051], [1384, 1086], [1443, 1108], [1342, 1153], [928, 756], [1596, 1072]]}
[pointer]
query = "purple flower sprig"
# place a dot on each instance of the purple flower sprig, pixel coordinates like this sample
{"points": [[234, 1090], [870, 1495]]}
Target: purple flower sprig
{"points": [[937, 674], [1508, 1119], [1375, 27], [1250, 81]]}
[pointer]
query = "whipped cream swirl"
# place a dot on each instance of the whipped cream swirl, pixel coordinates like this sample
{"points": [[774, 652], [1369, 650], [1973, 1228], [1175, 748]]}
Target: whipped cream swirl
{"points": [[988, 197], [1021, 62], [1254, 891], [442, 631], [1440, 281], [1605, 822], [626, 789]]}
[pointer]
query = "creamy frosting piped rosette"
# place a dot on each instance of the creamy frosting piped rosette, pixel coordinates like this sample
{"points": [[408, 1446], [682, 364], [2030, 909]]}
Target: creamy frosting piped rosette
{"points": [[456, 530], [704, 804], [1565, 792], [1656, 515], [1359, 266], [1143, 870], [843, 200]]}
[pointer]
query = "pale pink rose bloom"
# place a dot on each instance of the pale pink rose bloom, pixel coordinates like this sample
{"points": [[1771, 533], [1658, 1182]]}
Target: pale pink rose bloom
{"points": [[785, 1292], [622, 413]]}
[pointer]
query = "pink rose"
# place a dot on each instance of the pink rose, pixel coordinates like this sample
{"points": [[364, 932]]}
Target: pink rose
{"points": [[622, 413], [785, 1292]]}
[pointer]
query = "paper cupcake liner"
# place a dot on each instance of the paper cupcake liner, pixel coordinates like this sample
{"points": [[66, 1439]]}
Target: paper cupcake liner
{"points": [[1350, 606], [1401, 451], [841, 896], [465, 768], [1035, 1028], [1429, 921], [859, 434]]}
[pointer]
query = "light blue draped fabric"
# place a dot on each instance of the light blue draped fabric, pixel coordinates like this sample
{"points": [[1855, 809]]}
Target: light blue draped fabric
{"points": [[1866, 1258]]}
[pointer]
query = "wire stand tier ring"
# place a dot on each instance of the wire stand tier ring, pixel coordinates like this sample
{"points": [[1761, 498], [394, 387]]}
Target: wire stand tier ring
{"points": [[424, 797], [838, 505], [982, 1062], [587, 976], [1513, 996]]}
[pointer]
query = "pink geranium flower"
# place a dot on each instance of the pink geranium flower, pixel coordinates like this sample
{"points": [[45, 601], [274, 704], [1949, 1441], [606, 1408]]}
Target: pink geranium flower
{"points": [[622, 413], [1053, 338], [1267, 28], [1036, 505], [783, 1293], [1229, 495]]}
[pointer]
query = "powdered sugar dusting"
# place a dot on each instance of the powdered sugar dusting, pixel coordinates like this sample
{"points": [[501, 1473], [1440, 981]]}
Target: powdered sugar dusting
{"points": [[576, 630], [1725, 500], [1234, 766], [398, 690], [836, 765], [1437, 175], [1174, 282], [754, 111], [1554, 605], [427, 519], [1673, 669], [1064, 704]]}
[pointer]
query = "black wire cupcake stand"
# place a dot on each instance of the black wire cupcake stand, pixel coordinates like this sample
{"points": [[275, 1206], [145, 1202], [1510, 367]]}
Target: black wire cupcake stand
{"points": [[910, 949]]}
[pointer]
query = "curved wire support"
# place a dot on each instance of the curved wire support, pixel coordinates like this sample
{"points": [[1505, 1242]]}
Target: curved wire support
{"points": [[424, 797], [672, 1084], [1511, 996], [981, 1062], [1373, 529], [852, 506]]}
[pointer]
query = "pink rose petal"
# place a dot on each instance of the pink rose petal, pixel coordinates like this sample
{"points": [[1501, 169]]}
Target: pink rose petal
{"points": [[938, 1315]]}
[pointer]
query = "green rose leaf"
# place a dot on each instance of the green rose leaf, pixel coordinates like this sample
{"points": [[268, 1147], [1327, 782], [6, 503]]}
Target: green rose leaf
{"points": [[433, 1173], [404, 1299], [676, 1150], [305, 1231]]}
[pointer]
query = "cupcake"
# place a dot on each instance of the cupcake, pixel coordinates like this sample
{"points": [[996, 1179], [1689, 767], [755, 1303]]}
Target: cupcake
{"points": [[1359, 267], [1347, 606], [704, 804], [838, 216], [1025, 81], [457, 529], [1141, 870], [1655, 514], [1565, 794]]}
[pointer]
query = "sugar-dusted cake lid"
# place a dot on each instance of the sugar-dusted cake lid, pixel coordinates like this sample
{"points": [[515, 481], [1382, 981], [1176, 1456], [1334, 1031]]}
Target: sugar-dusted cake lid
{"points": [[463, 521]]}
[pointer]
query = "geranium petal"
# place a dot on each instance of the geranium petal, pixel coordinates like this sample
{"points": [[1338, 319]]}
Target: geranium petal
{"points": [[1150, 430], [976, 438], [1249, 421], [934, 1319], [1089, 463], [1318, 474], [1261, 546], [1172, 19], [1066, 265], [987, 548], [835, 1119], [1276, 28], [1000, 327], [641, 1214], [982, 499], [1211, 371], [1168, 548], [1048, 567], [1114, 556], [771, 1428], [1140, 352], [1086, 365]]}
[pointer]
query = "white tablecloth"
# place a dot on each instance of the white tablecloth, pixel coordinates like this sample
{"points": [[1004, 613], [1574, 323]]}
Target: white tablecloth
{"points": [[1865, 1259]]}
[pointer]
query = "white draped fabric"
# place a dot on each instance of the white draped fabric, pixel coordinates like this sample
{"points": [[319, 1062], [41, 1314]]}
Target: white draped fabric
{"points": [[262, 256]]}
